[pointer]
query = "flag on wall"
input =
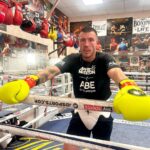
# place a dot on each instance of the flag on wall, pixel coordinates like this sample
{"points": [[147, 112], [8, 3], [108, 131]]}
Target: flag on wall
{"points": [[100, 27], [141, 26]]}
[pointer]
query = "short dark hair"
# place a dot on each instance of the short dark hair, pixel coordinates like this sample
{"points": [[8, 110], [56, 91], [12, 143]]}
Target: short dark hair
{"points": [[88, 29]]}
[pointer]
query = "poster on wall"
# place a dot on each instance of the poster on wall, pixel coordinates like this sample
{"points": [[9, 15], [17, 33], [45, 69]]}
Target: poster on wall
{"points": [[141, 42], [36, 6], [76, 27], [141, 26], [119, 26], [101, 43], [124, 59], [118, 43], [60, 20], [100, 27], [134, 61]]}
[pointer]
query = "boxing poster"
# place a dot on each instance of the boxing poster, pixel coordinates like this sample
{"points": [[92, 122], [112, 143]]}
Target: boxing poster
{"points": [[134, 61], [119, 26], [36, 5], [101, 44], [100, 27], [141, 42], [76, 27], [34, 8], [60, 20], [141, 26], [118, 43], [124, 59]]}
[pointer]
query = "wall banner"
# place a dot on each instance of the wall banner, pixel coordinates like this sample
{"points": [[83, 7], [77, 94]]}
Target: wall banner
{"points": [[141, 26], [100, 27]]}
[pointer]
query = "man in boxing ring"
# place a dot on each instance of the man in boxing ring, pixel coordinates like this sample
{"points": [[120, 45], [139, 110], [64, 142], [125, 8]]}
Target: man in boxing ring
{"points": [[91, 73]]}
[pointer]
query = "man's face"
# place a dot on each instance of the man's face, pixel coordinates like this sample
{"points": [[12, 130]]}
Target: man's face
{"points": [[87, 43]]}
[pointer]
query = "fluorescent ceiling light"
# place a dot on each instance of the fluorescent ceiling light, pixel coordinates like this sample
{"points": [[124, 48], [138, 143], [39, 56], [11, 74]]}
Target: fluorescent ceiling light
{"points": [[92, 2]]}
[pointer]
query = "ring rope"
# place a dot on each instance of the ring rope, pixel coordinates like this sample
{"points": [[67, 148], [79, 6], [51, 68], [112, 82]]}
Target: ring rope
{"points": [[121, 121], [137, 123], [65, 102], [70, 139], [52, 113], [18, 113], [10, 106]]}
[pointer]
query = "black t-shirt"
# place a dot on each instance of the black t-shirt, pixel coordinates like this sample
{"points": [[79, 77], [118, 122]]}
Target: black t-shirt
{"points": [[90, 80]]}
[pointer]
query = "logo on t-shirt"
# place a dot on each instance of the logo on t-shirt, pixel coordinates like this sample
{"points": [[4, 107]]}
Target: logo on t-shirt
{"points": [[87, 71], [87, 84], [112, 63], [62, 63]]}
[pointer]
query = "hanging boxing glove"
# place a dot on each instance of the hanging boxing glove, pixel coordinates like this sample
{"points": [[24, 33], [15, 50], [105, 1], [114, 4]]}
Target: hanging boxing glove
{"points": [[76, 42], [8, 16], [69, 42], [45, 29], [52, 34], [16, 91], [3, 11], [132, 102], [59, 36], [28, 25], [76, 46], [18, 16]]}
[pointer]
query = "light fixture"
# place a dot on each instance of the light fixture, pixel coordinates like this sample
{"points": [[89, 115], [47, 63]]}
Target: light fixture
{"points": [[92, 2], [31, 59]]}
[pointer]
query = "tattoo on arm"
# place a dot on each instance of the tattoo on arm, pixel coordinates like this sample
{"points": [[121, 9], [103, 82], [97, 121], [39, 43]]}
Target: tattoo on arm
{"points": [[43, 78], [46, 74]]}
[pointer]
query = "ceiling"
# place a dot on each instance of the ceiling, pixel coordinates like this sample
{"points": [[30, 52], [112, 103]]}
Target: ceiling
{"points": [[76, 8]]}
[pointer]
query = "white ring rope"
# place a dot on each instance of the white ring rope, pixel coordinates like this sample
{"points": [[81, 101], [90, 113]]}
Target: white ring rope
{"points": [[10, 106], [17, 113], [52, 112], [137, 73], [65, 102], [135, 123], [70, 139], [121, 121]]}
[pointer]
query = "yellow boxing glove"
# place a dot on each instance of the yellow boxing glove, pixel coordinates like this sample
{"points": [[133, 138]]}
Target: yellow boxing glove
{"points": [[16, 91], [132, 102]]}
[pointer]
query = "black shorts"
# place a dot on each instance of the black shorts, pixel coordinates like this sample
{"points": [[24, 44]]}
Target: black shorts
{"points": [[102, 130]]}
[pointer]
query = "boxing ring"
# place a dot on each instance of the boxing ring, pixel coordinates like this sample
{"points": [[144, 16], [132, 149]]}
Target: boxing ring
{"points": [[61, 137], [52, 134]]}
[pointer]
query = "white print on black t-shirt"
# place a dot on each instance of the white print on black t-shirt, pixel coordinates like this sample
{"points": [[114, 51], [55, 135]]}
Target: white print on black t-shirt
{"points": [[86, 85], [62, 63], [87, 91], [112, 63], [86, 78], [87, 71]]}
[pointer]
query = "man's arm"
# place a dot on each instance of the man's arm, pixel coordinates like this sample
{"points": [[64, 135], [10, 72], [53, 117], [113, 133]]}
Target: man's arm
{"points": [[117, 75], [130, 100], [47, 74], [20, 89]]}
